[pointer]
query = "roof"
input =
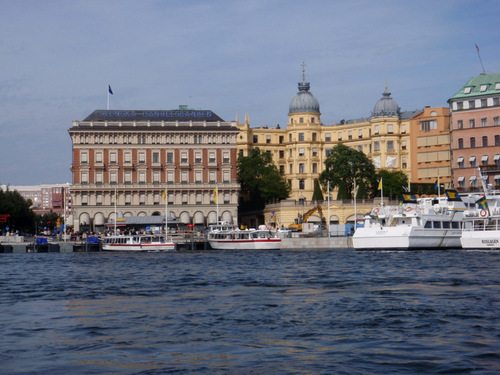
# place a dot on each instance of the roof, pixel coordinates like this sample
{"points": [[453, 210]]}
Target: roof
{"points": [[170, 115], [144, 220], [484, 84]]}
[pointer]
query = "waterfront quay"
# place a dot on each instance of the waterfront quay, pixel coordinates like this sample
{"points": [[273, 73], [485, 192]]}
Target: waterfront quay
{"points": [[20, 244]]}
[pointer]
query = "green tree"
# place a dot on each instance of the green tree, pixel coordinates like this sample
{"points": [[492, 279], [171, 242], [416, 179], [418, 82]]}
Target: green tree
{"points": [[260, 179], [345, 165], [393, 182], [317, 194], [21, 217]]}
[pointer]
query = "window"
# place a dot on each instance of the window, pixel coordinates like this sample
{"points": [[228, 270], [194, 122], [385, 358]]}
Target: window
{"points": [[472, 142], [497, 140], [85, 158], [211, 177], [460, 124], [142, 157], [460, 105], [85, 199], [403, 162], [128, 177], [496, 120], [403, 145], [290, 153], [403, 129], [98, 157], [225, 176], [156, 177], [496, 101], [460, 162], [211, 157], [328, 151], [460, 143], [281, 154], [301, 151], [314, 152], [349, 135], [472, 104], [376, 146], [184, 157], [268, 139], [467, 90], [472, 123], [142, 199], [314, 136], [289, 138], [290, 168], [98, 199], [472, 161], [255, 139], [483, 103], [301, 137], [390, 128], [98, 178], [390, 145], [85, 178], [197, 177], [156, 157], [328, 137], [112, 157], [184, 177], [170, 157], [301, 120], [281, 139], [315, 167], [484, 159], [142, 177], [485, 141], [225, 157], [112, 178], [302, 184], [360, 133], [282, 169], [428, 125], [483, 88], [339, 136], [376, 129], [301, 168], [128, 199], [312, 120], [197, 157], [484, 122]]}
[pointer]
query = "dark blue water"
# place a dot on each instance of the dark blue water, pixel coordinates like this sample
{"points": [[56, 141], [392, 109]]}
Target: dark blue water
{"points": [[280, 312]]}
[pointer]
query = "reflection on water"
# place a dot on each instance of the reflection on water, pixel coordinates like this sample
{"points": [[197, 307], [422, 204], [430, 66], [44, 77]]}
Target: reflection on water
{"points": [[314, 311]]}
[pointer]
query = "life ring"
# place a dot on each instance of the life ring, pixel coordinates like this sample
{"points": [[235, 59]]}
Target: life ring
{"points": [[408, 209], [483, 213], [376, 210]]}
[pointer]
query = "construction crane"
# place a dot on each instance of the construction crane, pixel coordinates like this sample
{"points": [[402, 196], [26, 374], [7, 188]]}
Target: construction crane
{"points": [[297, 226]]}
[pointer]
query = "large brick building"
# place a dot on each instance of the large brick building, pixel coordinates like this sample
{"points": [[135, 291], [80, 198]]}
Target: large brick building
{"points": [[139, 154]]}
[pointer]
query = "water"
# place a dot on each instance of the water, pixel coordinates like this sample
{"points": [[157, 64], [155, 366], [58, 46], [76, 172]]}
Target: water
{"points": [[280, 312]]}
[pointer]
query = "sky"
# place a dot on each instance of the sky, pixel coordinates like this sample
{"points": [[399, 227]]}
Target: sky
{"points": [[233, 57]]}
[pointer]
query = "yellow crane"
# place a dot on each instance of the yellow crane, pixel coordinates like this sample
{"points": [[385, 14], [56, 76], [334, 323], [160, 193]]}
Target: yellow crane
{"points": [[297, 226]]}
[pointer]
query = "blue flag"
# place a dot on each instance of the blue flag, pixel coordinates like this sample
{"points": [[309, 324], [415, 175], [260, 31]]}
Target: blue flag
{"points": [[482, 203], [109, 90]]}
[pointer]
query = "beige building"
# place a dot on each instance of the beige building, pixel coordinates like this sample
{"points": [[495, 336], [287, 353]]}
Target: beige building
{"points": [[139, 154]]}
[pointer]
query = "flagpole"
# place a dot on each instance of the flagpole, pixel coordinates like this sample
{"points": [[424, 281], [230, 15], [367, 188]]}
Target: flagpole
{"points": [[381, 192], [107, 107], [480, 60], [166, 214], [328, 221], [115, 212], [217, 201], [355, 208]]}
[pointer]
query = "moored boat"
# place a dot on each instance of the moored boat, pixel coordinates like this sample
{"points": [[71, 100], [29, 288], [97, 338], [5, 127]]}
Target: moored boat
{"points": [[483, 219], [225, 236], [424, 223], [140, 242]]}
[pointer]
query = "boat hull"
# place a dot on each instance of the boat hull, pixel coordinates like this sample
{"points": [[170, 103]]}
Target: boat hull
{"points": [[255, 244], [139, 247], [403, 239], [481, 240]]}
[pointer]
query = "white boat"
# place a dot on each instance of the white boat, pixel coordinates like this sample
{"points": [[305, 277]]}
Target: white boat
{"points": [[225, 236], [140, 242], [483, 229], [424, 223]]}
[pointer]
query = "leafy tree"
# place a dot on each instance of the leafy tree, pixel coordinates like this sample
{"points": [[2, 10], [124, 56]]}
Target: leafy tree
{"points": [[317, 194], [393, 182], [345, 165], [260, 179], [21, 217]]}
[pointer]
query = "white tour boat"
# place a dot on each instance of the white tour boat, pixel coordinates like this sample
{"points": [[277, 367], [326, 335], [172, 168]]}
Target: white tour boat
{"points": [[140, 242], [483, 231], [225, 236], [424, 223]]}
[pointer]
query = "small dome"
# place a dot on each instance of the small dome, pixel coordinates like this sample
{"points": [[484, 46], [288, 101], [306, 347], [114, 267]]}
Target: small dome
{"points": [[386, 107], [304, 101]]}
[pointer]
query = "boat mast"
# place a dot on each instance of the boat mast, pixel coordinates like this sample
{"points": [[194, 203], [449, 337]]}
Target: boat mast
{"points": [[115, 211], [166, 213]]}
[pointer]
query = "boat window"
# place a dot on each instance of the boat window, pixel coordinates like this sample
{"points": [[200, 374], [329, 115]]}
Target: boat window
{"points": [[454, 224], [428, 224], [446, 224], [437, 224]]}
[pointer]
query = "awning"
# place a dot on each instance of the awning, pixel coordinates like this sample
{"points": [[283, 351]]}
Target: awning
{"points": [[497, 177], [472, 158], [484, 158], [461, 178], [460, 159], [472, 178], [496, 157]]}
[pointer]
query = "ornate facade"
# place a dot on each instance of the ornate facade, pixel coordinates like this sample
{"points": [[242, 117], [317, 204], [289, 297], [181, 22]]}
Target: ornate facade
{"points": [[138, 155]]}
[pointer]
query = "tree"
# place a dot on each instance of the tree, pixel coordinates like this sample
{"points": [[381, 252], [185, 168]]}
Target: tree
{"points": [[260, 179], [393, 182], [345, 165], [21, 217], [317, 194]]}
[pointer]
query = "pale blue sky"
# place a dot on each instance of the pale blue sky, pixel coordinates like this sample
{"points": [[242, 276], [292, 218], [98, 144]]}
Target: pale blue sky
{"points": [[58, 57]]}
